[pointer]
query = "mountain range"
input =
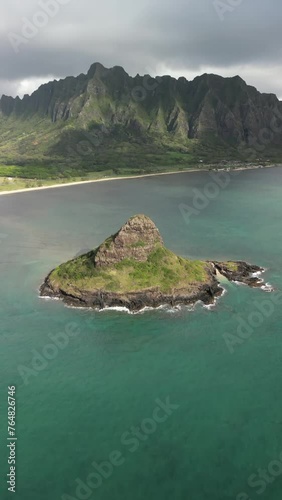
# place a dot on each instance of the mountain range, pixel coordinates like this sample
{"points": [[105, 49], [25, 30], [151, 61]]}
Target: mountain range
{"points": [[106, 120]]}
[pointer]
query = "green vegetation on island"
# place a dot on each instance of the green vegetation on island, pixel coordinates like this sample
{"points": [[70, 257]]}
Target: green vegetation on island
{"points": [[162, 269], [134, 269]]}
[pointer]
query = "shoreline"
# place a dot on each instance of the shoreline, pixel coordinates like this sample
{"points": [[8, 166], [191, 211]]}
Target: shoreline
{"points": [[103, 179], [141, 176], [207, 292]]}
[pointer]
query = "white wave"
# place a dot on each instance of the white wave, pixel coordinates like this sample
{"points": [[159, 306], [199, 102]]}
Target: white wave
{"points": [[116, 309], [189, 308], [239, 283], [164, 307], [173, 309], [267, 288], [209, 307], [47, 297], [257, 274], [80, 308]]}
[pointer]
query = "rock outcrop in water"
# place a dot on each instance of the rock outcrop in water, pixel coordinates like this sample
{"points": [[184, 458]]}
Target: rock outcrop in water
{"points": [[133, 269], [242, 273]]}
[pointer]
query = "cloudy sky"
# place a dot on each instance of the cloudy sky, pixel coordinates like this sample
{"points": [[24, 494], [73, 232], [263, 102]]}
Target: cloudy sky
{"points": [[45, 39]]}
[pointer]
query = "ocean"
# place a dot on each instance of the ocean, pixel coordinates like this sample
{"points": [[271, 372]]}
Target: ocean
{"points": [[165, 404]]}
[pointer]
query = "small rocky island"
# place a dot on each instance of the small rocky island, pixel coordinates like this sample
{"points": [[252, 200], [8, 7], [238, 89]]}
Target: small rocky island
{"points": [[134, 269]]}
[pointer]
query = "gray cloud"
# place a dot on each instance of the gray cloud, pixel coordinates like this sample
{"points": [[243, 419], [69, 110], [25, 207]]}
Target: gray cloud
{"points": [[179, 36]]}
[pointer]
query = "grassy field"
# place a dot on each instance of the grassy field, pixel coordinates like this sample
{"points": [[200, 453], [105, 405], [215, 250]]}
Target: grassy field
{"points": [[30, 159], [13, 178], [118, 160], [16, 183], [162, 269], [231, 266]]}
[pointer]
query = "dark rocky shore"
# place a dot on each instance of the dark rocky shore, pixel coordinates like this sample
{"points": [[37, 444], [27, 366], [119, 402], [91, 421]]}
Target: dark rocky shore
{"points": [[245, 273], [135, 301], [153, 297]]}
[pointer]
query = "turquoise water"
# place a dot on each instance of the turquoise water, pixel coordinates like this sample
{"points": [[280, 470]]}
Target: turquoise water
{"points": [[114, 369]]}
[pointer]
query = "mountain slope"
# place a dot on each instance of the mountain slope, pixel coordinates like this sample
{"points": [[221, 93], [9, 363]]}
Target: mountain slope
{"points": [[107, 119]]}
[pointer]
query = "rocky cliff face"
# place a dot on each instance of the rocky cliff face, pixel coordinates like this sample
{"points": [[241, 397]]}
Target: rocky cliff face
{"points": [[210, 106], [135, 240]]}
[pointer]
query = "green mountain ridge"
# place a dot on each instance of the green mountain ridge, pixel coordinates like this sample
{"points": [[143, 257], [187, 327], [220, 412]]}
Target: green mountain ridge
{"points": [[107, 120]]}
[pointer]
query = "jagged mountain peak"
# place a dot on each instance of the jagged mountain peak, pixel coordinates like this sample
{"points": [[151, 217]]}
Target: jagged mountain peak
{"points": [[162, 112], [136, 239], [96, 69]]}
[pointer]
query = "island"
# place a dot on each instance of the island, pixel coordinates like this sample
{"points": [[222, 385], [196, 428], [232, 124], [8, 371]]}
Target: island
{"points": [[133, 269]]}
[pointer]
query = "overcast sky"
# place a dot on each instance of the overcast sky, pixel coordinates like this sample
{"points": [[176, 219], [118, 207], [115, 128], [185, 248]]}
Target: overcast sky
{"points": [[177, 37]]}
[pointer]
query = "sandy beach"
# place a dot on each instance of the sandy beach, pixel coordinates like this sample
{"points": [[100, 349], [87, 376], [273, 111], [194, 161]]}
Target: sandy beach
{"points": [[106, 179]]}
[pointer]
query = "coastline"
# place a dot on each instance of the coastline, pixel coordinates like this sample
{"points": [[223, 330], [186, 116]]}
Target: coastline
{"points": [[104, 179], [141, 176], [153, 297]]}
